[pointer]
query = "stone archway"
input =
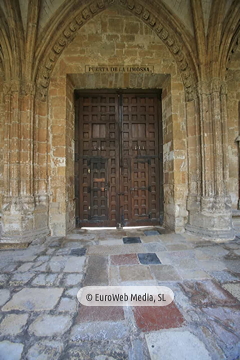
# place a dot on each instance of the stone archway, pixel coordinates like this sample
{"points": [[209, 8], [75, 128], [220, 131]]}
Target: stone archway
{"points": [[69, 74]]}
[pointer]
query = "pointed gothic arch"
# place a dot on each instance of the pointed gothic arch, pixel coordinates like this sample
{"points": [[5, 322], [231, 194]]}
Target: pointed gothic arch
{"points": [[48, 54]]}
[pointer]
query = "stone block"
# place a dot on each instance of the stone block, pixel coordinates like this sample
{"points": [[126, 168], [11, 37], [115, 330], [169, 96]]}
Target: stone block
{"points": [[34, 299], [171, 344], [50, 325]]}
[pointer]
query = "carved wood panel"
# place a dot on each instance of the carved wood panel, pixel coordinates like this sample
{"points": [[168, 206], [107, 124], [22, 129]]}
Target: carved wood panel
{"points": [[117, 159]]}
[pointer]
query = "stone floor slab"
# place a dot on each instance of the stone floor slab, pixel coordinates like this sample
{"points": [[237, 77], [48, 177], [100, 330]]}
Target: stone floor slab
{"points": [[20, 279], [13, 324], [68, 305], [45, 280], [74, 264], [177, 247], [99, 313], [148, 259], [234, 289], [154, 247], [4, 296], [151, 232], [131, 240], [224, 276], [151, 318], [97, 273], [45, 350], [103, 350], [125, 259], [72, 292], [98, 331], [34, 299], [3, 279], [165, 273], [50, 325], [175, 345], [192, 274], [207, 293], [72, 279], [224, 323], [134, 272], [116, 249], [78, 251], [10, 351]]}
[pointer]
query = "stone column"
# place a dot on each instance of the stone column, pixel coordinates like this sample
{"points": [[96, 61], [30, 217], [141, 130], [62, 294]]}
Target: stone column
{"points": [[211, 215], [19, 202]]}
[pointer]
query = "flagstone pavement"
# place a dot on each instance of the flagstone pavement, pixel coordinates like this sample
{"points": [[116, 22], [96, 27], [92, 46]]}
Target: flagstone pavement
{"points": [[41, 318]]}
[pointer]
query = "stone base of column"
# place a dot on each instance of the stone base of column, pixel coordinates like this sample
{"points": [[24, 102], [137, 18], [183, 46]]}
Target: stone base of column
{"points": [[24, 220], [211, 218]]}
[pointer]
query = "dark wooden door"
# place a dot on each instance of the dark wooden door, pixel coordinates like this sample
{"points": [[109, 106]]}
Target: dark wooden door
{"points": [[118, 173]]}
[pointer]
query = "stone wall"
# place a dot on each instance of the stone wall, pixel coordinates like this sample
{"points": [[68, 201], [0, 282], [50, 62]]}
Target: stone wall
{"points": [[116, 37]]}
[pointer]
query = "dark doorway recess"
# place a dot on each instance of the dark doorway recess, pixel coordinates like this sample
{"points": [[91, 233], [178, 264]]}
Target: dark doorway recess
{"points": [[118, 158]]}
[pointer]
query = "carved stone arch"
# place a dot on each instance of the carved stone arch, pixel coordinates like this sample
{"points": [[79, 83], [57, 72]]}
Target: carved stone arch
{"points": [[231, 34], [5, 48], [137, 8]]}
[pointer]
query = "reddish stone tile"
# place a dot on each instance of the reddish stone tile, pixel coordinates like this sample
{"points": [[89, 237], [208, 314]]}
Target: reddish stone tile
{"points": [[99, 313], [125, 259], [150, 318]]}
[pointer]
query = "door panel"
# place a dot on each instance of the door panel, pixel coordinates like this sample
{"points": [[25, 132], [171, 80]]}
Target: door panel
{"points": [[99, 159], [118, 156]]}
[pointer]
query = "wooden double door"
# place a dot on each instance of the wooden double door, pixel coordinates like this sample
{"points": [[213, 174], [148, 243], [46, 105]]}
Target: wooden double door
{"points": [[118, 159]]}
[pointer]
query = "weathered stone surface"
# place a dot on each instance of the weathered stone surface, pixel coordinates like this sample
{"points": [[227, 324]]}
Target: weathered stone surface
{"points": [[151, 318], [207, 293], [191, 274], [170, 345], [148, 259], [4, 296], [234, 289], [113, 275], [74, 264], [45, 350], [154, 247], [68, 305], [116, 250], [3, 279], [72, 292], [224, 276], [225, 324], [98, 331], [126, 259], [50, 325], [212, 265], [72, 279], [13, 324], [135, 272], [25, 267], [97, 273], [99, 313], [102, 351], [20, 278], [10, 351], [165, 273], [35, 299], [45, 280]]}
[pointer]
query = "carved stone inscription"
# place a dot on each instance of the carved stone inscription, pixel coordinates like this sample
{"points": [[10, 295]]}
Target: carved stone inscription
{"points": [[119, 69]]}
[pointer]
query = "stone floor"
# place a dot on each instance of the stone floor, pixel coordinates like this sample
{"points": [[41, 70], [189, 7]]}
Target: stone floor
{"points": [[41, 318]]}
